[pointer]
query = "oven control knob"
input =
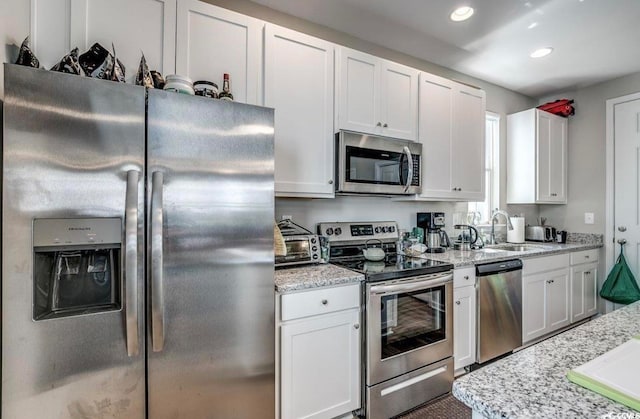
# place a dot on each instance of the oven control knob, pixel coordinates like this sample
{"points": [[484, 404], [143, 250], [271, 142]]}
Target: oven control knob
{"points": [[314, 248], [377, 230], [384, 229], [392, 229], [313, 239], [315, 256], [329, 231], [338, 231]]}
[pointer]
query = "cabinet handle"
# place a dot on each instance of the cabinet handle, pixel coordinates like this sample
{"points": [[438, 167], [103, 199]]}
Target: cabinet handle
{"points": [[379, 124], [325, 302], [330, 181], [622, 229], [587, 273], [458, 302], [356, 326], [586, 256], [466, 277], [385, 125]]}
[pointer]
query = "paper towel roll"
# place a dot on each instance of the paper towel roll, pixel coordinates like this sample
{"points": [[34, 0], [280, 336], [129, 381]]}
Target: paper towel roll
{"points": [[517, 234]]}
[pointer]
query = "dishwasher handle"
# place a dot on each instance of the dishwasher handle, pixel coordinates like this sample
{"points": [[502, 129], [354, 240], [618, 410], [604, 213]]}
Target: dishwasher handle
{"points": [[498, 267]]}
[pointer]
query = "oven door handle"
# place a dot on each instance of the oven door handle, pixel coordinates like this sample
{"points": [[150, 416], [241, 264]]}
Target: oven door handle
{"points": [[413, 286]]}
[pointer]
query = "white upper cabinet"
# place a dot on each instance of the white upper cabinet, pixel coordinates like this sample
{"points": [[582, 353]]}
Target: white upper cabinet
{"points": [[211, 41], [536, 158], [376, 96], [133, 26], [299, 86], [452, 132]]}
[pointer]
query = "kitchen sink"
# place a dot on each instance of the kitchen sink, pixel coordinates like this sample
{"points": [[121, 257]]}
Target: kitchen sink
{"points": [[513, 248]]}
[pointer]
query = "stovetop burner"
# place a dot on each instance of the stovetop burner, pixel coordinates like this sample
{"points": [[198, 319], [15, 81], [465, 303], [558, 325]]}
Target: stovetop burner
{"points": [[393, 267], [348, 240]]}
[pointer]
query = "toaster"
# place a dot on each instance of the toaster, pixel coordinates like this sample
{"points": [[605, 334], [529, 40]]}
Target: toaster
{"points": [[540, 233]]}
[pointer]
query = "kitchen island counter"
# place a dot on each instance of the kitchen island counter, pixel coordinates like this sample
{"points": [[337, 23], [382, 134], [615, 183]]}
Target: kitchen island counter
{"points": [[313, 276], [532, 383]]}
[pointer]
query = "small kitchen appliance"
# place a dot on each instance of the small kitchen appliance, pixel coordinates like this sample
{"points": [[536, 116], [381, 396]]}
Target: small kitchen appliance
{"points": [[369, 164], [436, 238], [540, 233], [303, 247], [408, 340]]}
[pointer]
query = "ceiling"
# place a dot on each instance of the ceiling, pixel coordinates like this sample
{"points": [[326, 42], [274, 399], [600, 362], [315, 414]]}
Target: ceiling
{"points": [[593, 40]]}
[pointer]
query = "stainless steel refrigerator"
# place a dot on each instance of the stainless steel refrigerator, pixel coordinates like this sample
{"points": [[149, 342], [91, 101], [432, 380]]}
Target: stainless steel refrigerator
{"points": [[137, 252]]}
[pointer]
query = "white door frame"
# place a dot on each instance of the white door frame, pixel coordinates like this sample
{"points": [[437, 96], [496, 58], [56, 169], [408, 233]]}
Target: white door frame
{"points": [[609, 245]]}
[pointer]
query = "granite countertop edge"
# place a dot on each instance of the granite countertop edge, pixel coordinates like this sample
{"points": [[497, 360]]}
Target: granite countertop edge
{"points": [[533, 383], [314, 276], [328, 275]]}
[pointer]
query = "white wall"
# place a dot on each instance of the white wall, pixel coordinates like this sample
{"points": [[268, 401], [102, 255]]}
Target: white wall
{"points": [[586, 172]]}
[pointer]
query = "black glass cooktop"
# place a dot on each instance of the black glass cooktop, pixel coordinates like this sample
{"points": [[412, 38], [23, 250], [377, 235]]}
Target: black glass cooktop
{"points": [[393, 266]]}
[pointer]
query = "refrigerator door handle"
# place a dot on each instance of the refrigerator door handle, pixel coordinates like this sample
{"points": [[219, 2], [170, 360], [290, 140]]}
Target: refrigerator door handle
{"points": [[131, 263], [157, 296]]}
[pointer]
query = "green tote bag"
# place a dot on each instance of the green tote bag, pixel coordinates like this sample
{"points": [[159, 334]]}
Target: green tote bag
{"points": [[620, 287]]}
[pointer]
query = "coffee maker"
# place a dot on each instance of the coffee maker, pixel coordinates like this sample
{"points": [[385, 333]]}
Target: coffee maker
{"points": [[436, 238]]}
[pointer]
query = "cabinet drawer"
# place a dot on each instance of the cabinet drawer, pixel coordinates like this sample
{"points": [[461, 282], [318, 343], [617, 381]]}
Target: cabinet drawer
{"points": [[547, 263], [320, 301], [584, 256], [464, 277]]}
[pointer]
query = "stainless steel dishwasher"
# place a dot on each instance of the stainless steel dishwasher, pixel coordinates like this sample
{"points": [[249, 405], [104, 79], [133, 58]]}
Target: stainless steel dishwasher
{"points": [[499, 308]]}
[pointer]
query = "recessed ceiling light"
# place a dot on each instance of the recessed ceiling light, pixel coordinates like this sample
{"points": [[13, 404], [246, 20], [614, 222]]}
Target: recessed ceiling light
{"points": [[542, 52], [533, 25], [461, 13]]}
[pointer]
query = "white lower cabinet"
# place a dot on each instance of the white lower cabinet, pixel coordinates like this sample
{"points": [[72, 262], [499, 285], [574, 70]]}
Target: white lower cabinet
{"points": [[464, 318], [320, 353], [584, 284], [545, 296]]}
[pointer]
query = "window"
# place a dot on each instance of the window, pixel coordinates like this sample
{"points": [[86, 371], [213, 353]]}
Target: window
{"points": [[492, 170]]}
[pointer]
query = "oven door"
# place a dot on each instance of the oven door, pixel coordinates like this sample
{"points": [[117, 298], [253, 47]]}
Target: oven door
{"points": [[409, 325], [370, 164]]}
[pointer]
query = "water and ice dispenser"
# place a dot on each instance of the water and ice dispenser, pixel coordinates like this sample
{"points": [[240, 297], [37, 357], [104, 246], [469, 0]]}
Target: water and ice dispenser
{"points": [[76, 266]]}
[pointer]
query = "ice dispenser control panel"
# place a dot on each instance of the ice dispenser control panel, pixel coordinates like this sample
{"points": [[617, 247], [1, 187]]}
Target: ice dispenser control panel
{"points": [[76, 266], [76, 231]]}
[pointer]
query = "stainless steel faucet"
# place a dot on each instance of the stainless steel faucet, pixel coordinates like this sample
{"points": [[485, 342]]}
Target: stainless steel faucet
{"points": [[492, 237]]}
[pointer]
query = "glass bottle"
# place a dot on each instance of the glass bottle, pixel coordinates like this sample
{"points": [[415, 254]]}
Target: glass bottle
{"points": [[226, 91]]}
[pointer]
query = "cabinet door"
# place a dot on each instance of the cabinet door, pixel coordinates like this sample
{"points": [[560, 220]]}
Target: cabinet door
{"points": [[534, 317], [558, 299], [358, 91], [552, 158], [399, 100], [211, 41], [584, 288], [464, 326], [435, 123], [133, 26], [320, 366], [558, 160], [467, 146], [299, 86]]}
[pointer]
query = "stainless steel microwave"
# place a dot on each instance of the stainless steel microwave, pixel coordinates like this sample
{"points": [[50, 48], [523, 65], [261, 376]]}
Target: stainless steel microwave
{"points": [[369, 164]]}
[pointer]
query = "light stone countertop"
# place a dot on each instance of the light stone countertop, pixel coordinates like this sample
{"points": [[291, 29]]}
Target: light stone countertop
{"points": [[532, 383], [460, 258], [328, 275], [314, 276]]}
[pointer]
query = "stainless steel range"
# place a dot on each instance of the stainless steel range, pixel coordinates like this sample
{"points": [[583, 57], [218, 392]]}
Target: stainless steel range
{"points": [[408, 344]]}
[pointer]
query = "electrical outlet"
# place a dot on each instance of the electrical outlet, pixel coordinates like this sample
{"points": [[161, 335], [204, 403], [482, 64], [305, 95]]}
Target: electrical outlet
{"points": [[589, 218]]}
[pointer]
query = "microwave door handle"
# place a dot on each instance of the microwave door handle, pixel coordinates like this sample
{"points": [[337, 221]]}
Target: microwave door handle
{"points": [[157, 295], [131, 263], [407, 152]]}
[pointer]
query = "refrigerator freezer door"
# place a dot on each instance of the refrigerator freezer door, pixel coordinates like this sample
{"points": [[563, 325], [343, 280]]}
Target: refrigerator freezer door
{"points": [[210, 192], [69, 143]]}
